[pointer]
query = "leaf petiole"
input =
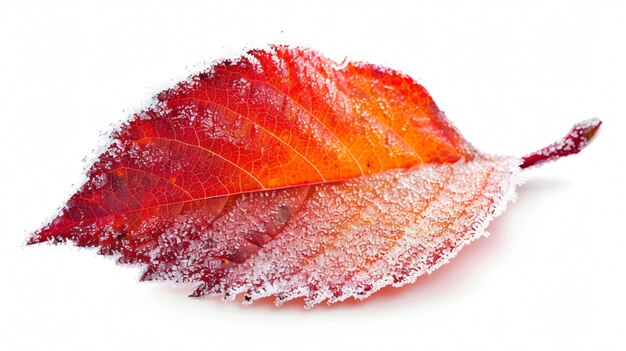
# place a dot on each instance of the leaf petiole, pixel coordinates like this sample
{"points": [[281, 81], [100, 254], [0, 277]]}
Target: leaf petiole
{"points": [[577, 139]]}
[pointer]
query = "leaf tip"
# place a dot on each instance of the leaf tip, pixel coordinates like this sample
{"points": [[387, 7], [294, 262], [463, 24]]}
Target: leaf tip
{"points": [[36, 238]]}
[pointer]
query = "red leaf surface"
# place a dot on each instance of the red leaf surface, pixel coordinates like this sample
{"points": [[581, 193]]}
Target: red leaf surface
{"points": [[284, 173]]}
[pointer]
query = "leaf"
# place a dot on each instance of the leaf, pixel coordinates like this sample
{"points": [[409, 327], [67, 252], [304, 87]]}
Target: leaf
{"points": [[284, 173]]}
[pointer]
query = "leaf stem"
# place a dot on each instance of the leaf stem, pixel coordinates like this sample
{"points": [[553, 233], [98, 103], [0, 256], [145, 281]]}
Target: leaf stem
{"points": [[577, 139]]}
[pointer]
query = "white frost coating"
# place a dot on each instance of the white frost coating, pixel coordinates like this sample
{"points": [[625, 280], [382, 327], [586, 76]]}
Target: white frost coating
{"points": [[353, 238]]}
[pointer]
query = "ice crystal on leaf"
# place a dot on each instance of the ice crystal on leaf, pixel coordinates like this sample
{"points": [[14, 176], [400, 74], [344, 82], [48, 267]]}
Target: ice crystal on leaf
{"points": [[285, 174]]}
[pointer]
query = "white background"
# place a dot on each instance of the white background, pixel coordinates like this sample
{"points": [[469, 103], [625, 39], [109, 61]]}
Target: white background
{"points": [[512, 77]]}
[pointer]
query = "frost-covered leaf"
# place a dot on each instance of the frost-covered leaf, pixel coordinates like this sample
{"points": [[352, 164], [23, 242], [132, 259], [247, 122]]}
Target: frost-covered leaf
{"points": [[284, 173]]}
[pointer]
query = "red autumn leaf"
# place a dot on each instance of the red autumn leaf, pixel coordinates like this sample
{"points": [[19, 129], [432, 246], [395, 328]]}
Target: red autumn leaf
{"points": [[283, 173]]}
